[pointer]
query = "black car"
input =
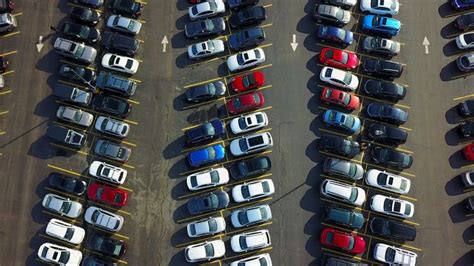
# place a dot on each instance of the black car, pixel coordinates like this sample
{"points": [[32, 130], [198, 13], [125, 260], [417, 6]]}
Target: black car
{"points": [[466, 129], [391, 158], [90, 3], [112, 105], [66, 136], [387, 134], [205, 132], [77, 73], [6, 6], [248, 16], [72, 94], [127, 8], [208, 202], [387, 113], [344, 217], [383, 68], [107, 245], [120, 43], [67, 183], [331, 14], [204, 28], [205, 92], [384, 89], [393, 230], [236, 4], [111, 82], [465, 22], [469, 203], [244, 39], [250, 167], [94, 261], [466, 108], [333, 260], [339, 146], [85, 15], [80, 32]]}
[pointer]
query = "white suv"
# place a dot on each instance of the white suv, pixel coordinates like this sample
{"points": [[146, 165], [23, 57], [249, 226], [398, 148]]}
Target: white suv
{"points": [[65, 231], [251, 143], [107, 172], [103, 219], [250, 241], [59, 255], [343, 192], [394, 256], [75, 50], [387, 181], [392, 206]]}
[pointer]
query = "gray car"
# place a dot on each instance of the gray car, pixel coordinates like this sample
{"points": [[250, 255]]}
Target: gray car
{"points": [[7, 22], [112, 150], [331, 14], [465, 62], [74, 115], [343, 168], [381, 46], [124, 24], [75, 50]]}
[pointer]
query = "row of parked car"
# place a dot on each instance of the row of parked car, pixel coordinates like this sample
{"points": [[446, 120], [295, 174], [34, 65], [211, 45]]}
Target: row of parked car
{"points": [[7, 23], [377, 20], [464, 41], [105, 90]]}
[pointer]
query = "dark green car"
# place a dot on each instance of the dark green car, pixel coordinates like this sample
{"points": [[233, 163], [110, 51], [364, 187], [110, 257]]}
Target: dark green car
{"points": [[344, 217], [80, 32]]}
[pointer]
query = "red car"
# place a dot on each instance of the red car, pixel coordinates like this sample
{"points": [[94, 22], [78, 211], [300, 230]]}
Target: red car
{"points": [[350, 242], [338, 58], [248, 81], [341, 98], [195, 1], [469, 152], [246, 102], [107, 194]]}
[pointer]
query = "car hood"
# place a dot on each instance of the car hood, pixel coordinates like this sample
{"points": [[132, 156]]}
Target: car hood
{"points": [[89, 54]]}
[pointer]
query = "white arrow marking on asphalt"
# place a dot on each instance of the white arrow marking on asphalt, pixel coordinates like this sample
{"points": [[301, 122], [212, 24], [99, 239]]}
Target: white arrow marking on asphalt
{"points": [[294, 44], [40, 44], [426, 43], [164, 42]]}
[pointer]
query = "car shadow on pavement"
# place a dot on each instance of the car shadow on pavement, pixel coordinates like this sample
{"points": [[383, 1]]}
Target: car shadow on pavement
{"points": [[313, 104], [445, 10], [313, 85], [312, 152], [175, 148], [306, 23], [453, 138], [44, 63], [181, 213], [179, 40], [313, 246], [449, 31], [450, 72], [182, 60], [466, 259], [458, 212], [35, 242], [178, 259], [178, 168], [179, 237], [182, 4], [179, 190], [468, 235], [200, 116], [455, 186], [457, 160], [63, 7], [452, 115], [181, 21], [451, 48]]}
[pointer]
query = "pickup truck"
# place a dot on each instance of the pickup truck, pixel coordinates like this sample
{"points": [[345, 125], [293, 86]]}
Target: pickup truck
{"points": [[72, 94], [394, 256], [116, 84], [66, 135]]}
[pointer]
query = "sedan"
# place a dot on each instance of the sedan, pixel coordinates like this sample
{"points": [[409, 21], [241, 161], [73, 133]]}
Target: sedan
{"points": [[334, 34], [381, 46], [62, 205], [107, 245], [391, 158], [339, 78], [250, 167], [237, 4], [250, 241], [468, 152], [90, 3], [103, 219], [466, 108], [392, 229], [205, 251], [344, 217], [339, 145], [346, 4], [250, 122], [65, 231], [67, 183], [387, 134], [77, 73], [246, 102], [253, 190], [343, 168], [382, 68], [110, 195], [466, 129], [208, 202], [112, 127], [245, 59], [331, 14], [205, 227], [340, 98], [380, 7], [247, 81], [204, 28], [120, 63], [124, 24], [80, 32], [74, 115], [248, 16], [59, 255], [392, 206], [338, 58], [112, 105], [259, 260], [246, 38], [210, 130], [465, 62], [387, 113], [468, 179], [343, 192], [381, 25], [384, 89], [85, 15], [207, 179], [349, 242], [251, 144], [207, 9], [112, 150], [465, 40], [128, 8], [387, 181], [343, 121], [108, 172], [206, 92], [251, 216], [207, 155], [205, 49], [465, 22]]}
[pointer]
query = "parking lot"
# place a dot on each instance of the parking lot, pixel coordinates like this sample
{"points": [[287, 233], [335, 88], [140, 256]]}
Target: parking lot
{"points": [[156, 214]]}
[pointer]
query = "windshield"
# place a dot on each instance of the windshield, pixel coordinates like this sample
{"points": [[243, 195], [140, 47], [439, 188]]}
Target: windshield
{"points": [[354, 193], [243, 145], [212, 153], [346, 98], [66, 207], [79, 51], [69, 233], [341, 34], [347, 78], [64, 258], [245, 191], [352, 169], [243, 218], [209, 250], [390, 255], [349, 121], [339, 14]]}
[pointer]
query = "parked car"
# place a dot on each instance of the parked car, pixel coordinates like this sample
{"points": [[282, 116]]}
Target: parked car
{"points": [[116, 84], [339, 146], [380, 7], [381, 25], [468, 178], [465, 40], [208, 179], [250, 216], [343, 192], [108, 172], [384, 89], [205, 251], [74, 116], [249, 122], [387, 113], [346, 4], [251, 144], [247, 241], [468, 152], [382, 46], [112, 127], [207, 155], [206, 92], [206, 226], [466, 129], [334, 34], [204, 28], [340, 98], [80, 32], [66, 135], [339, 78], [333, 260], [52, 253], [208, 202], [90, 3], [95, 261], [393, 255], [112, 150], [205, 132], [103, 219], [344, 217], [383, 68], [237, 4], [120, 43], [392, 206], [77, 73], [124, 24], [469, 204], [391, 158], [246, 38], [247, 81], [392, 229], [250, 167], [120, 63], [107, 245], [466, 108], [465, 22], [248, 16], [205, 49], [85, 15], [465, 62], [246, 102], [62, 205], [129, 8], [338, 58], [387, 134], [112, 105], [72, 94], [348, 242], [340, 120], [65, 231], [7, 6], [347, 169], [245, 59], [74, 50], [110, 195], [331, 14], [206, 9], [259, 259], [253, 190], [3, 64], [387, 181], [461, 4], [66, 183]]}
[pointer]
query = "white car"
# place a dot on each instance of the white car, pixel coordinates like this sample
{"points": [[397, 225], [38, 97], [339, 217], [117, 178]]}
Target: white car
{"points": [[207, 179], [380, 7], [120, 63], [124, 24], [112, 127], [59, 255], [343, 192], [251, 215], [257, 260], [392, 206], [393, 255], [205, 251], [103, 219], [465, 40], [387, 181], [65, 231], [205, 49], [339, 78], [251, 144], [250, 241], [205, 227], [207, 9], [107, 172], [249, 122], [245, 59], [62, 205], [253, 190], [74, 115]]}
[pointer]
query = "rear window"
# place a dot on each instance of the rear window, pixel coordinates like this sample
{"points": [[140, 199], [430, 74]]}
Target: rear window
{"points": [[253, 141]]}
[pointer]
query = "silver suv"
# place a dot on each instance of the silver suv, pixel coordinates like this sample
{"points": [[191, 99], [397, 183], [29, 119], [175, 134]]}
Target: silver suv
{"points": [[343, 168], [75, 50], [7, 22]]}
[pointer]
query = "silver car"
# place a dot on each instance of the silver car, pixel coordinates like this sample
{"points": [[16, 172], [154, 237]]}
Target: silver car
{"points": [[74, 115], [62, 205], [112, 127], [75, 50], [7, 22], [465, 40], [347, 169], [124, 24], [204, 227], [381, 46], [103, 219], [465, 62], [251, 215], [205, 49]]}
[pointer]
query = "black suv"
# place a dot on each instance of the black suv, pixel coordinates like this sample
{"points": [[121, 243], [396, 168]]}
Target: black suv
{"points": [[211, 130], [387, 113], [112, 105], [384, 89], [244, 39], [80, 32], [67, 183], [250, 167], [466, 108], [120, 43], [339, 146], [204, 28], [387, 134], [332, 260], [236, 4], [391, 158], [85, 15], [107, 245], [126, 7], [248, 16], [465, 22], [466, 129], [383, 68], [391, 229]]}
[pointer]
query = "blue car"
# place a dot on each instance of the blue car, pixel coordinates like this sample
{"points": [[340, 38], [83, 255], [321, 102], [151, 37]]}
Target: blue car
{"points": [[334, 34], [462, 4], [344, 121], [206, 155], [381, 25]]}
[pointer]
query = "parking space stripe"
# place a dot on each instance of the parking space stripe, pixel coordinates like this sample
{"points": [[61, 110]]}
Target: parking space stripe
{"points": [[75, 197], [2, 133], [105, 256], [9, 53], [248, 254], [75, 64], [267, 6], [266, 25], [4, 112], [10, 34], [335, 133], [5, 92], [463, 97], [17, 14], [69, 220], [136, 80], [461, 76], [110, 208], [112, 233], [8, 72], [203, 146], [346, 255]]}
